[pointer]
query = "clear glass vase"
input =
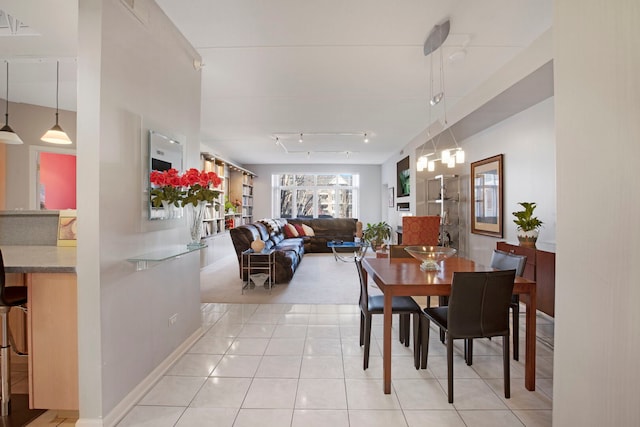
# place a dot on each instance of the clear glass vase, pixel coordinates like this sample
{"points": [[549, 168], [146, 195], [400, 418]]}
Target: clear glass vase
{"points": [[195, 217]]}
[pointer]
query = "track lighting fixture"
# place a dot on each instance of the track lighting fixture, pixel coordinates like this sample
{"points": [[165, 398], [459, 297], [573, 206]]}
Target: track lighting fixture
{"points": [[281, 139]]}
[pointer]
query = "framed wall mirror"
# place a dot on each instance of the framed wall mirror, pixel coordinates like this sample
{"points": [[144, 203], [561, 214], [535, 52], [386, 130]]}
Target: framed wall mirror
{"points": [[486, 196], [164, 154]]}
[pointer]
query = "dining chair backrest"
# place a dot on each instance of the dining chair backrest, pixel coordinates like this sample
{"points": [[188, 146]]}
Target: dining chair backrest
{"points": [[397, 251], [421, 230], [501, 260], [364, 292], [479, 303]]}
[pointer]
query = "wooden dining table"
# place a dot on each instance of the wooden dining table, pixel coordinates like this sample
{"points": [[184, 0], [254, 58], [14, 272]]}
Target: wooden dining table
{"points": [[403, 277]]}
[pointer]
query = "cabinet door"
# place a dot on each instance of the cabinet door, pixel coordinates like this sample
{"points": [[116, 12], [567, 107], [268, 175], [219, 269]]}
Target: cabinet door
{"points": [[53, 341], [546, 282]]}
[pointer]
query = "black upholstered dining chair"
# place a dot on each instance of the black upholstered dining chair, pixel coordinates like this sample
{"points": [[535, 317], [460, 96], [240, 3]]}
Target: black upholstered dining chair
{"points": [[478, 308], [501, 260], [374, 304], [10, 296]]}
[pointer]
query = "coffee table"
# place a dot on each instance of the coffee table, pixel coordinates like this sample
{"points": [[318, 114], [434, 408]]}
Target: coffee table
{"points": [[358, 250]]}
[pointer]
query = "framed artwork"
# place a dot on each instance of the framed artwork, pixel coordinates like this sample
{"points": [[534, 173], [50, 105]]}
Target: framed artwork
{"points": [[404, 177], [486, 196], [391, 197], [67, 227]]}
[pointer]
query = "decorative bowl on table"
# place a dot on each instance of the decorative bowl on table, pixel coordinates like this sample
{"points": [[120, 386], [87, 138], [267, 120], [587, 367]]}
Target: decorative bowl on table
{"points": [[430, 255]]}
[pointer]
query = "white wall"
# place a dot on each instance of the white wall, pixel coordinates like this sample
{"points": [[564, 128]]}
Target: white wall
{"points": [[528, 135], [30, 122], [131, 77], [596, 375], [527, 141], [370, 189]]}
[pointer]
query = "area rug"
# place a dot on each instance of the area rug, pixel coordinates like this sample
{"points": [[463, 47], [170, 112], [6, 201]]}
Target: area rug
{"points": [[319, 279]]}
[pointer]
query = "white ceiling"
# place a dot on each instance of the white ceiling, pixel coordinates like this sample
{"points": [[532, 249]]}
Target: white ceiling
{"points": [[291, 66]]}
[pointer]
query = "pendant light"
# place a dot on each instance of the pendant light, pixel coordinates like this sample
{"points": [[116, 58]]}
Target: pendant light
{"points": [[7, 135], [56, 135]]}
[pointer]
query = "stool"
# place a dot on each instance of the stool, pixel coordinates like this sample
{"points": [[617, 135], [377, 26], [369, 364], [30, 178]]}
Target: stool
{"points": [[10, 296]]}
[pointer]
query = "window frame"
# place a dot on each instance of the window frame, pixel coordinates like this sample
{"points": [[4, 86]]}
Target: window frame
{"points": [[316, 190]]}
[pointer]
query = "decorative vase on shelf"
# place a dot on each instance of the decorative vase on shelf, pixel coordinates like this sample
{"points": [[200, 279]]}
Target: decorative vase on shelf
{"points": [[528, 239], [170, 211], [165, 210], [196, 215]]}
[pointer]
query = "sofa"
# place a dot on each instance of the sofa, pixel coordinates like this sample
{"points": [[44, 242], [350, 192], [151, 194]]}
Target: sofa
{"points": [[289, 245]]}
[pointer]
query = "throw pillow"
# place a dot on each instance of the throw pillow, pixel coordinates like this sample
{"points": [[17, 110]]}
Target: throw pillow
{"points": [[299, 229], [308, 231], [290, 231]]}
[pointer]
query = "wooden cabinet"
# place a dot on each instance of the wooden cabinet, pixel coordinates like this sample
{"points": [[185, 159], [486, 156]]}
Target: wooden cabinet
{"points": [[53, 341], [52, 337], [541, 267]]}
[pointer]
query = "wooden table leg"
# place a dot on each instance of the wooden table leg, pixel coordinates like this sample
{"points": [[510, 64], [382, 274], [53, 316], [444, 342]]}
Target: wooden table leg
{"points": [[530, 344], [386, 353]]}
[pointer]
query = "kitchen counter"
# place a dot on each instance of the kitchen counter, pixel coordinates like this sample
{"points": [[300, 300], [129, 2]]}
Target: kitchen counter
{"points": [[39, 259]]}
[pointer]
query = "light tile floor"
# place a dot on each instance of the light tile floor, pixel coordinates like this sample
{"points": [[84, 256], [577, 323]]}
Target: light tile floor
{"points": [[300, 365]]}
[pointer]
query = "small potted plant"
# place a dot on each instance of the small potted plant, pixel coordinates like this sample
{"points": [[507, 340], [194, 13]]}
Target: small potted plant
{"points": [[528, 224], [376, 234]]}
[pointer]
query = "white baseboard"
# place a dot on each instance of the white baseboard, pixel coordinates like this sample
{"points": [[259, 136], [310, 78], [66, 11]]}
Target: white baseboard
{"points": [[130, 400]]}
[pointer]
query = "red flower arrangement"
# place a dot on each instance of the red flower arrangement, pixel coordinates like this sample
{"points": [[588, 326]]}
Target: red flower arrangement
{"points": [[191, 187], [198, 184]]}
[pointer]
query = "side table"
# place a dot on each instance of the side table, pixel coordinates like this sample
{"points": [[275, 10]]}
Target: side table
{"points": [[259, 268]]}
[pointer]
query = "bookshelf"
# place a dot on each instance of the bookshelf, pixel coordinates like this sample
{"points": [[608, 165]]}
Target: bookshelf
{"points": [[237, 185]]}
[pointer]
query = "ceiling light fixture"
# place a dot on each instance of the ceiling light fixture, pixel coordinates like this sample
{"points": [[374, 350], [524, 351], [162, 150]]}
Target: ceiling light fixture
{"points": [[449, 156], [366, 138], [7, 135], [56, 135], [300, 140], [299, 135]]}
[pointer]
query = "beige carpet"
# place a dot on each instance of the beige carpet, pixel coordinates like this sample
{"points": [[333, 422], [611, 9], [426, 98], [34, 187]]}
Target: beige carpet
{"points": [[320, 279]]}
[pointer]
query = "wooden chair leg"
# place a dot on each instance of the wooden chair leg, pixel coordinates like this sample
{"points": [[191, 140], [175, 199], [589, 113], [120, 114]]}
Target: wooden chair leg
{"points": [[362, 320], [468, 351], [367, 341], [416, 340], [401, 326], [424, 341], [442, 301], [507, 370], [516, 330], [407, 329], [450, 367]]}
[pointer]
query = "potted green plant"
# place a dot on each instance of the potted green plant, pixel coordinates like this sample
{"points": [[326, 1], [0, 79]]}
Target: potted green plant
{"points": [[228, 206], [376, 234], [528, 224]]}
